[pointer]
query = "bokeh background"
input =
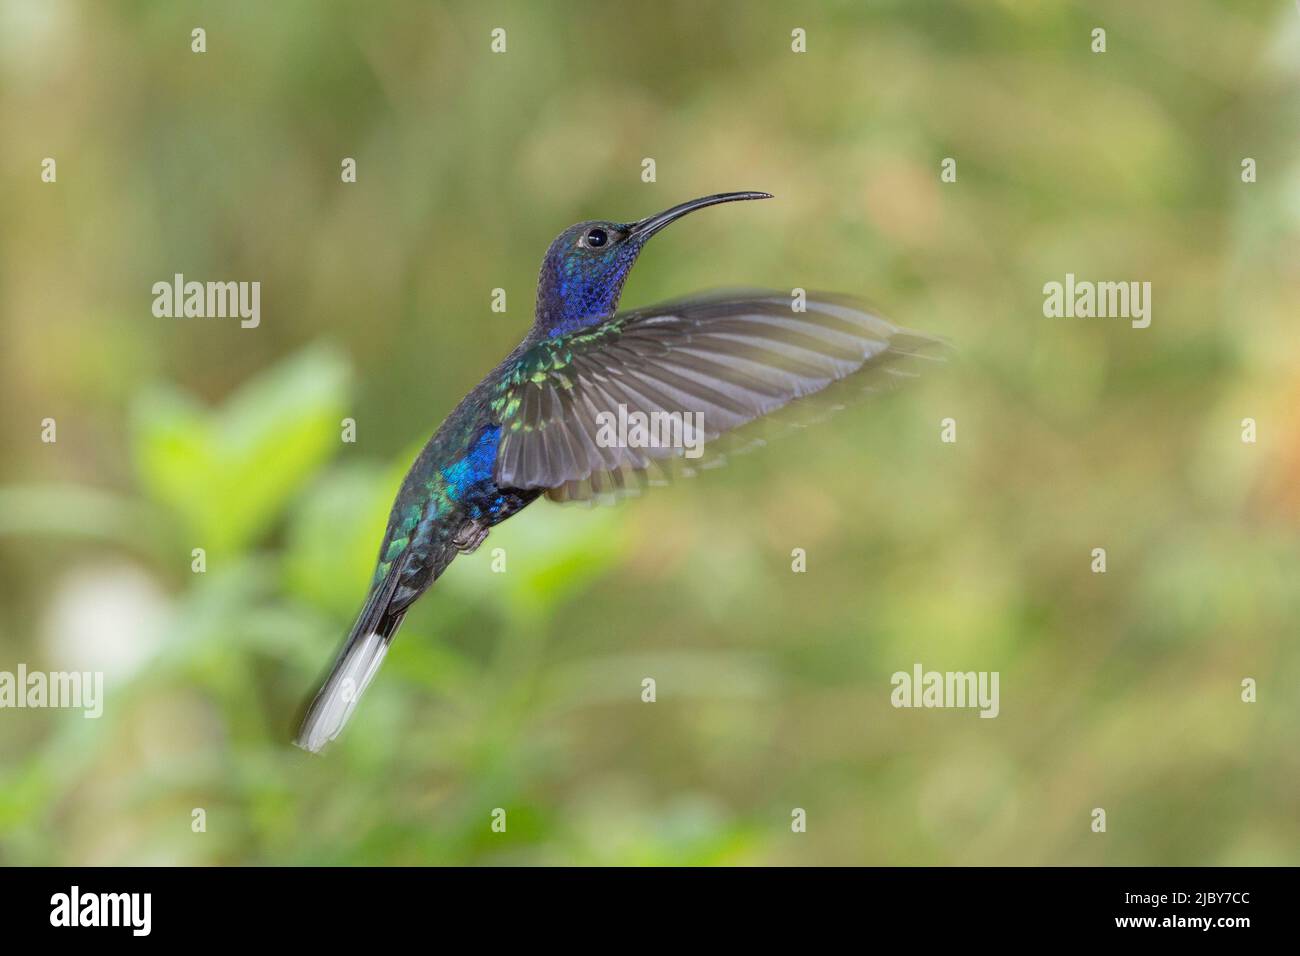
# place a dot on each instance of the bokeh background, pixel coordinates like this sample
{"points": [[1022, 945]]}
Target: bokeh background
{"points": [[522, 690]]}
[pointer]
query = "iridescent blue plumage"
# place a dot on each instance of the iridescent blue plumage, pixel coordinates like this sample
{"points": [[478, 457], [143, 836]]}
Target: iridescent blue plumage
{"points": [[531, 425], [579, 286], [472, 472]]}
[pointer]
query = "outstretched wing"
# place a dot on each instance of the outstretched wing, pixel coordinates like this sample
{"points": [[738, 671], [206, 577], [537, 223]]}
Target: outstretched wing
{"points": [[693, 370]]}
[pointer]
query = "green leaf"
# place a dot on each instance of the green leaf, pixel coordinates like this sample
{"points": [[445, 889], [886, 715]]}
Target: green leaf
{"points": [[334, 537], [229, 472]]}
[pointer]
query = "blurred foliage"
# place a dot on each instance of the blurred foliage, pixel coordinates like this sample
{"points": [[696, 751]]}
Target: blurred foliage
{"points": [[521, 690]]}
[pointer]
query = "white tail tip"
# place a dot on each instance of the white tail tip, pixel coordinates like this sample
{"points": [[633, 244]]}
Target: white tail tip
{"points": [[334, 704]]}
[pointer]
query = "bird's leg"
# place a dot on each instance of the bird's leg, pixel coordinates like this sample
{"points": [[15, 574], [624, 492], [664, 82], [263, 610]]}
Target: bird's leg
{"points": [[470, 536]]}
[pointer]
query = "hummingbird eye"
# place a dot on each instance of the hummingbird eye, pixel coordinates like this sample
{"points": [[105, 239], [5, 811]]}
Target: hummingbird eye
{"points": [[595, 238]]}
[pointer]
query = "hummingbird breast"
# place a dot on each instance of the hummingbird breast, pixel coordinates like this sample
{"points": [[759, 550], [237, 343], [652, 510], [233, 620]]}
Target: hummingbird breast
{"points": [[448, 501]]}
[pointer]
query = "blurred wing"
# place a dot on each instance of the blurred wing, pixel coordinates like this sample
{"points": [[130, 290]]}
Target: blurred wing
{"points": [[694, 369]]}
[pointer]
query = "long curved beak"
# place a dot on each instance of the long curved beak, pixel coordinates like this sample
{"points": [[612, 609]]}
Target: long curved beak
{"points": [[648, 226]]}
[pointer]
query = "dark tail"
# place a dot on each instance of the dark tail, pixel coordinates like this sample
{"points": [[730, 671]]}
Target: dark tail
{"points": [[356, 664]]}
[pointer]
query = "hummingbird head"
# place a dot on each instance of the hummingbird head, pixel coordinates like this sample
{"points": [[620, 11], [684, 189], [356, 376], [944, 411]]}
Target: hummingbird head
{"points": [[584, 270]]}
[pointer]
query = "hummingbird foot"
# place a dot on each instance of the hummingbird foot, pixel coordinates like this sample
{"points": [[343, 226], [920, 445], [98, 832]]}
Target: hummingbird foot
{"points": [[470, 536]]}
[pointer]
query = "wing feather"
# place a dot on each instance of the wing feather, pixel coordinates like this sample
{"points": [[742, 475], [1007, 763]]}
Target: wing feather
{"points": [[728, 359]]}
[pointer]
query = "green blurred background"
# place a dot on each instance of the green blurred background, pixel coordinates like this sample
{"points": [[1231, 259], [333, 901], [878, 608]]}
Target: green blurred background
{"points": [[522, 690]]}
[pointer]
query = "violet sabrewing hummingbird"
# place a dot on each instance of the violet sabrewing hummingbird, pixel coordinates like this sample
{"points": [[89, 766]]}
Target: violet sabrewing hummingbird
{"points": [[541, 421]]}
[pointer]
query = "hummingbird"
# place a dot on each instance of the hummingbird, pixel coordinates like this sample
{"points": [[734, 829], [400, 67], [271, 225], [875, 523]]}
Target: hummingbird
{"points": [[538, 423]]}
